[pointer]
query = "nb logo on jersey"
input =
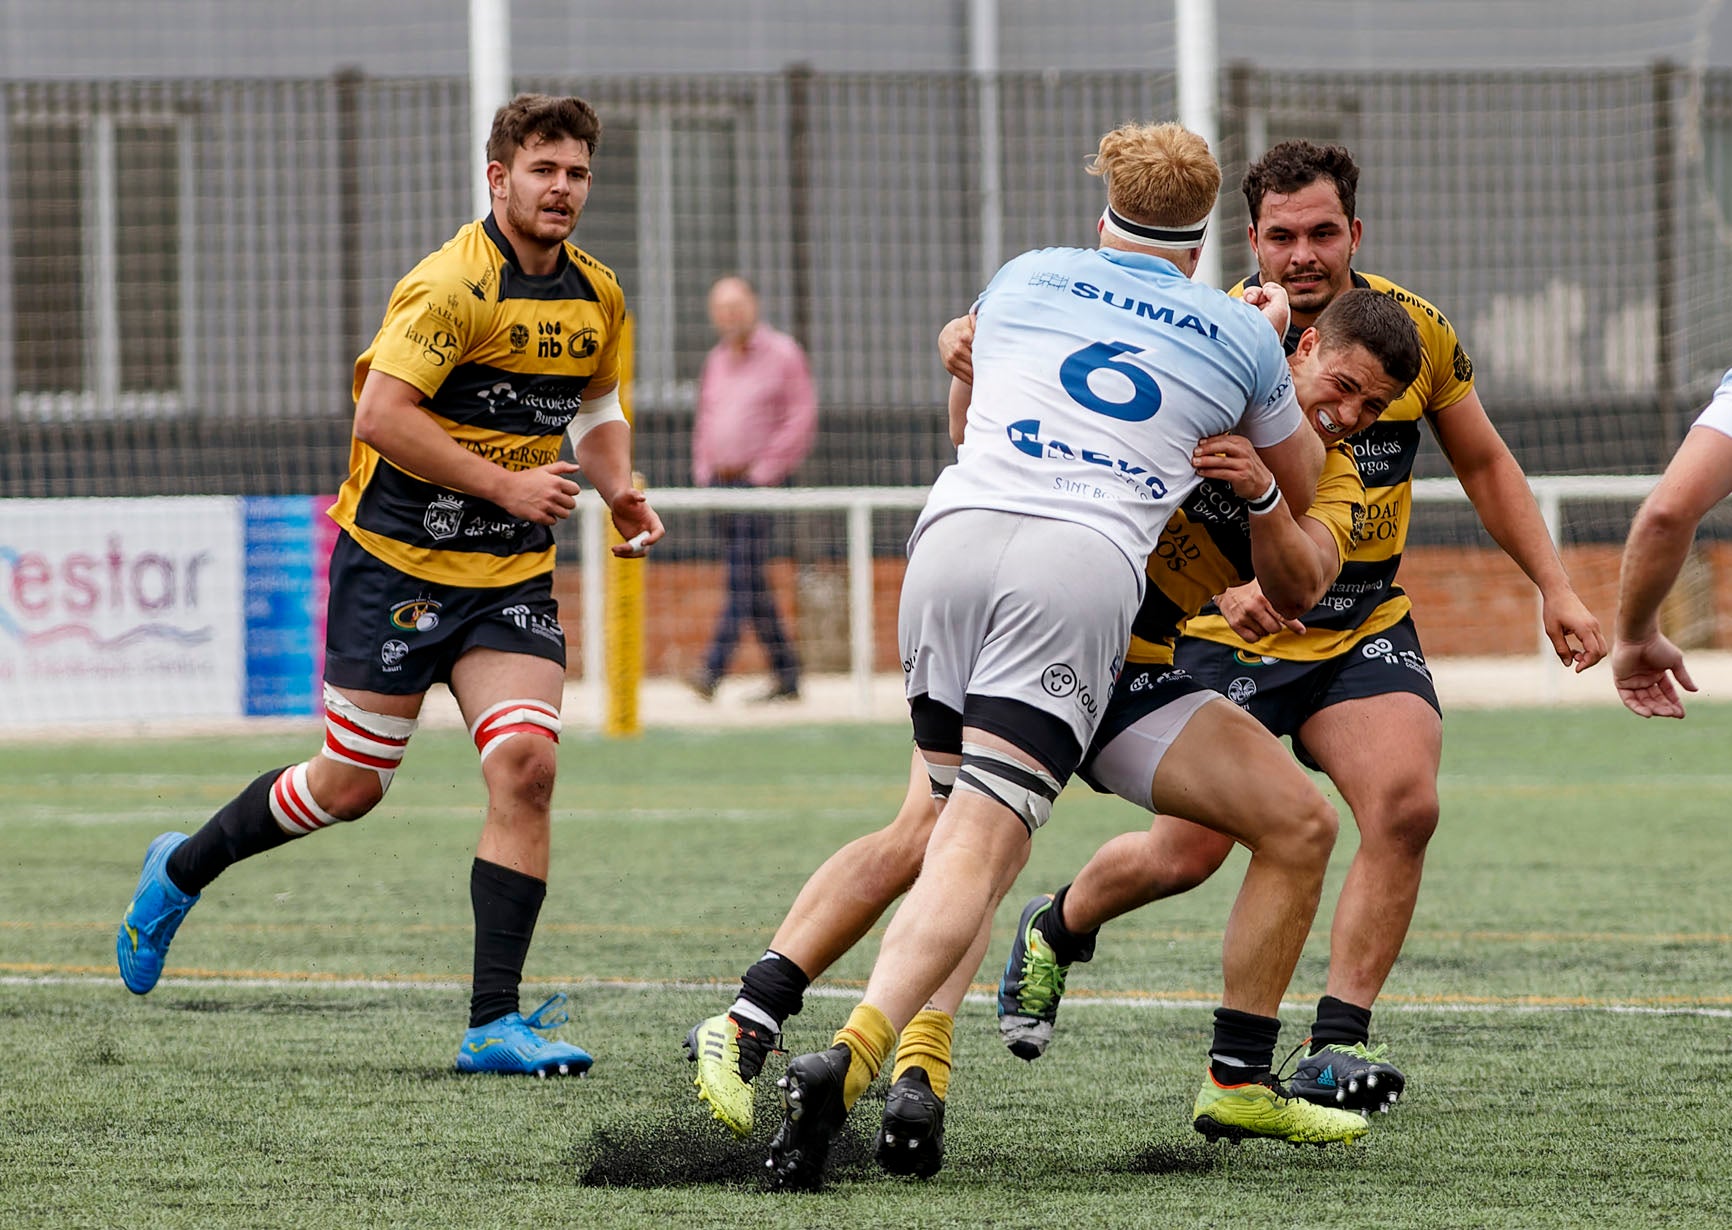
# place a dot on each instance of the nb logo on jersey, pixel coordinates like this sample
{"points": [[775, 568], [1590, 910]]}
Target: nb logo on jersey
{"points": [[550, 346]]}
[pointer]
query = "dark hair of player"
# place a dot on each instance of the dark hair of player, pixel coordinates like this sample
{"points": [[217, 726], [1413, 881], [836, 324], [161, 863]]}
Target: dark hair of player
{"points": [[1293, 165], [540, 117], [1370, 318]]}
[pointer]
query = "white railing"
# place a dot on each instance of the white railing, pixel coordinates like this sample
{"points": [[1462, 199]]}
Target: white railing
{"points": [[859, 503]]}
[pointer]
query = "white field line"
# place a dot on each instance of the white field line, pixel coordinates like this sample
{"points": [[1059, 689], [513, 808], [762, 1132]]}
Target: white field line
{"points": [[1149, 1001]]}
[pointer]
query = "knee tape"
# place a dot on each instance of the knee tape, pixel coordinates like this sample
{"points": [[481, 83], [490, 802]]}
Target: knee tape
{"points": [[1026, 791], [513, 717], [942, 777], [292, 804], [366, 740]]}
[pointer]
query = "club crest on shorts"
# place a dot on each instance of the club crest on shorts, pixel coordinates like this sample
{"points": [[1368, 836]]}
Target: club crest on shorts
{"points": [[1241, 690], [416, 615], [443, 517], [1058, 679], [392, 653]]}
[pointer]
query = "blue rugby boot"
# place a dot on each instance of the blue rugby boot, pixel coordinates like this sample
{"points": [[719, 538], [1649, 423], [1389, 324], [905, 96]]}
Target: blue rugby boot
{"points": [[512, 1045], [155, 914]]}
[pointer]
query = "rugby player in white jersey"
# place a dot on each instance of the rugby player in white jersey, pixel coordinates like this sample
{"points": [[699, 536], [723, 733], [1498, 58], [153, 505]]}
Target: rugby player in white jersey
{"points": [[1645, 662], [1348, 680], [1098, 375], [1159, 743]]}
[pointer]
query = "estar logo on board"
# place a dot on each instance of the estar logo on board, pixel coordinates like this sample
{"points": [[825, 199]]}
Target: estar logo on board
{"points": [[120, 594]]}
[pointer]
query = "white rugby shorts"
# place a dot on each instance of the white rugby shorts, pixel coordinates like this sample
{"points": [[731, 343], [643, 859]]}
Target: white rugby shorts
{"points": [[1001, 606]]}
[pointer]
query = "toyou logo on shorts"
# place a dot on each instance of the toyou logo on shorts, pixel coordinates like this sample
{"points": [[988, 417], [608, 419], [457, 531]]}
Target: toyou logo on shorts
{"points": [[1058, 680], [1380, 648], [1241, 690], [392, 653]]}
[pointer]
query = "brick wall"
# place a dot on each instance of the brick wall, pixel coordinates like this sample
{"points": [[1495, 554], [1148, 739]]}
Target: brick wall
{"points": [[1467, 601]]}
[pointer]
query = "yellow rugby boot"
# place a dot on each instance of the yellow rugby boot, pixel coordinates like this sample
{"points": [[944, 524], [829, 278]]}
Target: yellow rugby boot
{"points": [[729, 1054], [1264, 1108]]}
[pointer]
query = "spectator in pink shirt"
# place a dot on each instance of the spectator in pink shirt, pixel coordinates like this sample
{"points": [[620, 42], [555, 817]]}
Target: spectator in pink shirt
{"points": [[756, 420]]}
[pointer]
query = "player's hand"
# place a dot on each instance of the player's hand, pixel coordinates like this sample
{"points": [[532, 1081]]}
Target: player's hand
{"points": [[1271, 300], [1572, 629], [956, 348], [1231, 459], [1251, 615], [636, 522], [542, 495], [1643, 672]]}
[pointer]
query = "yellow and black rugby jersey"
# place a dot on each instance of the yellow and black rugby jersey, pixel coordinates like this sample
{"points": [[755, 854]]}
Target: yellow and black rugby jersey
{"points": [[1206, 548], [1365, 598], [504, 359]]}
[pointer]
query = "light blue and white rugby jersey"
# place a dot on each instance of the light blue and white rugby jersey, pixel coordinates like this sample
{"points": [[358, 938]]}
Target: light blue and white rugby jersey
{"points": [[1718, 414], [1096, 372]]}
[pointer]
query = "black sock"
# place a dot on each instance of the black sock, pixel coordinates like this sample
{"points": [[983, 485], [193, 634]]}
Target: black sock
{"points": [[1340, 1022], [1068, 947], [776, 985], [1244, 1047], [506, 904], [243, 828]]}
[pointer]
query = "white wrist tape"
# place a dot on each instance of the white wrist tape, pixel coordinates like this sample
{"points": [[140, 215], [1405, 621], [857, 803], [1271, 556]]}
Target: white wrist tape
{"points": [[593, 413], [1266, 502]]}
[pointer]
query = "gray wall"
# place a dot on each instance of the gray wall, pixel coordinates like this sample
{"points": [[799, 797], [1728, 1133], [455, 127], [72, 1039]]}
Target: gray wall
{"points": [[96, 39]]}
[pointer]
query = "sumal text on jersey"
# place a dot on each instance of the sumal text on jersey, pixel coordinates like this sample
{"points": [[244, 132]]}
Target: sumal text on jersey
{"points": [[1147, 311]]}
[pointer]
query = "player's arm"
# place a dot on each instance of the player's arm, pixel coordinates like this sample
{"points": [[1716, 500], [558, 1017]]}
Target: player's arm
{"points": [[1295, 463], [601, 442], [388, 416], [956, 348], [1494, 482], [1645, 661], [961, 394], [1293, 557]]}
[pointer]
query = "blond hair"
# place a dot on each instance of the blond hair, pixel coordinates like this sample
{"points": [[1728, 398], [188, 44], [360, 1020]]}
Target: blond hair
{"points": [[1158, 174]]}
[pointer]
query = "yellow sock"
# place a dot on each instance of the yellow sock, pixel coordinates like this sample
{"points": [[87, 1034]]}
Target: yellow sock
{"points": [[926, 1044], [870, 1039]]}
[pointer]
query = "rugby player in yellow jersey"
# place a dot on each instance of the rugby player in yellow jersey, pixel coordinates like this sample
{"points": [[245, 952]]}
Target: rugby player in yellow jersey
{"points": [[493, 350], [1350, 366], [1348, 680]]}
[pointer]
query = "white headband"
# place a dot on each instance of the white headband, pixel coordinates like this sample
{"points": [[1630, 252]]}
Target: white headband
{"points": [[1155, 236]]}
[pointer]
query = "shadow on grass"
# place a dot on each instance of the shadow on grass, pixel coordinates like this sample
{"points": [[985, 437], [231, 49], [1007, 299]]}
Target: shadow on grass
{"points": [[1167, 1158], [676, 1150]]}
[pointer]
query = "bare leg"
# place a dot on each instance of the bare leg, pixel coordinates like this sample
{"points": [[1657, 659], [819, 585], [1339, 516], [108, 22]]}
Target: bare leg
{"points": [[1382, 752], [520, 773], [976, 842], [848, 894], [1235, 783]]}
